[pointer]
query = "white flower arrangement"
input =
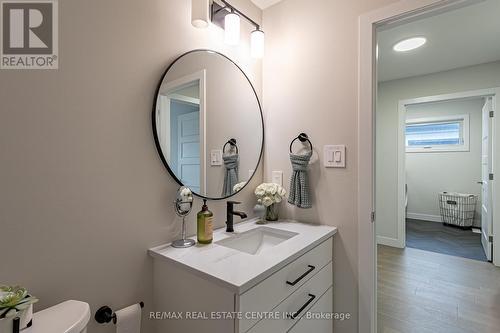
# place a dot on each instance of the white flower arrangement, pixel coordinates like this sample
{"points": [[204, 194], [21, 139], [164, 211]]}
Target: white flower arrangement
{"points": [[239, 186], [186, 195], [186, 199], [269, 193]]}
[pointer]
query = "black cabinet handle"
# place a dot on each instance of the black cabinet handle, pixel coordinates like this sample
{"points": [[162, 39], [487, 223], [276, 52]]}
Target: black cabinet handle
{"points": [[295, 314], [311, 268]]}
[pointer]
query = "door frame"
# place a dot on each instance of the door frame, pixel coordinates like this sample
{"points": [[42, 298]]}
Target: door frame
{"points": [[403, 104], [389, 16]]}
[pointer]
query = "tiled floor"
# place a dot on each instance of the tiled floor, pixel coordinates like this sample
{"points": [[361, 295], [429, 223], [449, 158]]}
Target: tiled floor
{"points": [[435, 237]]}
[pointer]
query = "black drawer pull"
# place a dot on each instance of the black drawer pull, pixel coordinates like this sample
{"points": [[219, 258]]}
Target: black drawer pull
{"points": [[295, 314], [311, 268]]}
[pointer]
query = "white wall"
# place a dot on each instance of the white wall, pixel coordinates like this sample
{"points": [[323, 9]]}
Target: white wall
{"points": [[310, 85], [83, 191], [389, 93], [427, 174]]}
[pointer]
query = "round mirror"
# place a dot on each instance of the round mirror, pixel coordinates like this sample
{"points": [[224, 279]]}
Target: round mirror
{"points": [[207, 124]]}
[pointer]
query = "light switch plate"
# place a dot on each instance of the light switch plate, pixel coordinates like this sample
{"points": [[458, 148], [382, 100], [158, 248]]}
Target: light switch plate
{"points": [[334, 156], [278, 177], [216, 157]]}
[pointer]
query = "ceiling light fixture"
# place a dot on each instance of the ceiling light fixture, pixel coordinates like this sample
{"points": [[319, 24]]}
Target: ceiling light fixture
{"points": [[409, 44]]}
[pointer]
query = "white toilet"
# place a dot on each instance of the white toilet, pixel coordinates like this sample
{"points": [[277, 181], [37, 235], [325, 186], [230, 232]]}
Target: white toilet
{"points": [[65, 317]]}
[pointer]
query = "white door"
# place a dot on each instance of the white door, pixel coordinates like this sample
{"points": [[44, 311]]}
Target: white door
{"points": [[188, 150], [486, 205]]}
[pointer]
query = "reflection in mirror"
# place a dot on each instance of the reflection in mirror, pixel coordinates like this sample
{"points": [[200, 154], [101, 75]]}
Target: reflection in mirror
{"points": [[208, 124], [182, 205], [179, 129]]}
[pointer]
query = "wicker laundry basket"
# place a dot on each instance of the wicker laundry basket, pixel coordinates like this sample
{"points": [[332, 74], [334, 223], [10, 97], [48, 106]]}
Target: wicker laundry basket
{"points": [[457, 209]]}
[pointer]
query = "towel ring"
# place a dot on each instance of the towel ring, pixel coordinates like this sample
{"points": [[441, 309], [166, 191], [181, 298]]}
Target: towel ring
{"points": [[303, 137], [232, 143]]}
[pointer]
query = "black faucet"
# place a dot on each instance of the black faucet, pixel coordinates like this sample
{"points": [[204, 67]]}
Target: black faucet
{"points": [[231, 213]]}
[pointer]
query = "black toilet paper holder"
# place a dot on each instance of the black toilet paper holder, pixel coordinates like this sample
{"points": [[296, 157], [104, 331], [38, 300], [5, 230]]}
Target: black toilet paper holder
{"points": [[104, 315]]}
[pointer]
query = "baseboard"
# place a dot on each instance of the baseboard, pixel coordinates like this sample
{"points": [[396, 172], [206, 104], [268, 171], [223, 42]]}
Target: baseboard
{"points": [[392, 242], [424, 217]]}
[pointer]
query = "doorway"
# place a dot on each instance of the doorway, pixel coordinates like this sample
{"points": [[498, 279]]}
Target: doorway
{"points": [[181, 120], [445, 150], [427, 195], [370, 25], [185, 142]]}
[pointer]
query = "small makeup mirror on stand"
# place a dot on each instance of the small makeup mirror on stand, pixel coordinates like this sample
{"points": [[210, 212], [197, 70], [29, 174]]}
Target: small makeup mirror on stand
{"points": [[182, 206]]}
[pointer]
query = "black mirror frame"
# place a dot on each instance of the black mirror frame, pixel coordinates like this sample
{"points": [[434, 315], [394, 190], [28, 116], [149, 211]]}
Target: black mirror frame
{"points": [[155, 133]]}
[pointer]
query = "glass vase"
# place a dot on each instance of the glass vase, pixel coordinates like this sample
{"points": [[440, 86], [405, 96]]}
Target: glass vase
{"points": [[272, 213]]}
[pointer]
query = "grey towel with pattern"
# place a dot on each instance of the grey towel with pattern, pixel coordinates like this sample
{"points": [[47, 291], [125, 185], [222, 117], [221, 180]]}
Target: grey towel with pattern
{"points": [[299, 183], [230, 174]]}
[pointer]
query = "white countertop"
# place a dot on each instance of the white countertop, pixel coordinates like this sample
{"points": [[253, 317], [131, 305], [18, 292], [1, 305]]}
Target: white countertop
{"points": [[240, 271]]}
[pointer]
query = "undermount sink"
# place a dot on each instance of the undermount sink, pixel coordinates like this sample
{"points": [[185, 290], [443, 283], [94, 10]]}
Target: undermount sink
{"points": [[256, 240]]}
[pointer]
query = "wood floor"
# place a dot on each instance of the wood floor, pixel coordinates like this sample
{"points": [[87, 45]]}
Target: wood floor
{"points": [[421, 292]]}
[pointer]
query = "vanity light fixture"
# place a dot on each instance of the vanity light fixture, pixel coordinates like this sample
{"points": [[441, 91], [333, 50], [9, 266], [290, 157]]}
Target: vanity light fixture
{"points": [[257, 43], [232, 29], [228, 17], [409, 44], [200, 14]]}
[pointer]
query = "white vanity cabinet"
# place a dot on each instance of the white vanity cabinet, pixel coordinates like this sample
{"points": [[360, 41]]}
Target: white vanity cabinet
{"points": [[275, 300], [312, 275]]}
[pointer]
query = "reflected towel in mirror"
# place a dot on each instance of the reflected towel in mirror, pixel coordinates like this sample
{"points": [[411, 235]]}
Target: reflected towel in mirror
{"points": [[230, 174]]}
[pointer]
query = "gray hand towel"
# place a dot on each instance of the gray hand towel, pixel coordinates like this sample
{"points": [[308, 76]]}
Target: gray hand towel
{"points": [[299, 183], [230, 174]]}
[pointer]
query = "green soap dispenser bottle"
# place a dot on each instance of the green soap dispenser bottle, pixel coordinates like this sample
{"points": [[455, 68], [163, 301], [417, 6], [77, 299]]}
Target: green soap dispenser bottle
{"points": [[205, 227]]}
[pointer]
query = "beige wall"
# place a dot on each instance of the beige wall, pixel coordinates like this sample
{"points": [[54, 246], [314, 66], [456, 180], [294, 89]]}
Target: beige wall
{"points": [[310, 85], [84, 194], [428, 174], [389, 93]]}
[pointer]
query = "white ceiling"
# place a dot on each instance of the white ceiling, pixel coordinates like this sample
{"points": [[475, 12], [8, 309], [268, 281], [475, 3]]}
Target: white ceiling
{"points": [[459, 38], [263, 4]]}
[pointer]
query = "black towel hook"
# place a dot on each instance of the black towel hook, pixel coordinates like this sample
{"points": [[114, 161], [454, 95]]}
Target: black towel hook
{"points": [[232, 143], [302, 137]]}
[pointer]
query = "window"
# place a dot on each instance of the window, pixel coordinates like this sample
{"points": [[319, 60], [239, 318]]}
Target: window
{"points": [[437, 134]]}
